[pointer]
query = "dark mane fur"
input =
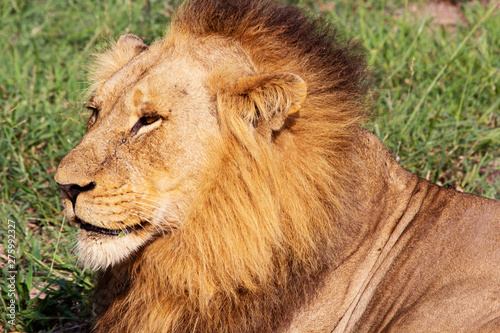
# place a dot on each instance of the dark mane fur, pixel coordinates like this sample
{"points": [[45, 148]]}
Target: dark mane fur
{"points": [[280, 37]]}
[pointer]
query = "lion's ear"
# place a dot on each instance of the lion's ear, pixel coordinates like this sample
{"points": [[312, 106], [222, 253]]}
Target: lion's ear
{"points": [[274, 96], [109, 62], [131, 44]]}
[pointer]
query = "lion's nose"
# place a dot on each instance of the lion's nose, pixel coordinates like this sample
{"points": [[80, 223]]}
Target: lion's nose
{"points": [[72, 190]]}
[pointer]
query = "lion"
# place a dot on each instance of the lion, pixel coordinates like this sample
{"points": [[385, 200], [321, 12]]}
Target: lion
{"points": [[226, 184]]}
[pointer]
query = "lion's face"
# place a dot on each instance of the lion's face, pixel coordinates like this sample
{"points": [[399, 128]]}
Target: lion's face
{"points": [[133, 174], [159, 128]]}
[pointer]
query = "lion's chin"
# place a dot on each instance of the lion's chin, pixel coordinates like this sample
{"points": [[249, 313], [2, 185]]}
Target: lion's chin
{"points": [[97, 250]]}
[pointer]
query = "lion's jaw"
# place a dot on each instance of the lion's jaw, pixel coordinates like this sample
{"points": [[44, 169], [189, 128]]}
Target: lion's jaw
{"points": [[134, 180], [97, 250]]}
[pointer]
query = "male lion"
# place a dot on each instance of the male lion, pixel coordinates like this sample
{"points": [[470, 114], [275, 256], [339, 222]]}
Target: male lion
{"points": [[225, 185]]}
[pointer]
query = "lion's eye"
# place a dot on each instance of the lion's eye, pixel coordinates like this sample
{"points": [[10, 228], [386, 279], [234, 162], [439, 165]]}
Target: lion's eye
{"points": [[93, 117], [145, 121], [148, 120]]}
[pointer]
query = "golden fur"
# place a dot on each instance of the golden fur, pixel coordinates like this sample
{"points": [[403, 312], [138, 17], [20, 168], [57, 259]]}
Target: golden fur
{"points": [[230, 155]]}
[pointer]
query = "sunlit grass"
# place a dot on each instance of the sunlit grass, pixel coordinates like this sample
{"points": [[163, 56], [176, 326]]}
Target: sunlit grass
{"points": [[436, 108]]}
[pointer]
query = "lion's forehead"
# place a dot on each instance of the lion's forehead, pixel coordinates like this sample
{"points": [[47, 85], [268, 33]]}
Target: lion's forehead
{"points": [[147, 82]]}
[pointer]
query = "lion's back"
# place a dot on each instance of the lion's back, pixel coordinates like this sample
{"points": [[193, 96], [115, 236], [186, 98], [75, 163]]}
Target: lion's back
{"points": [[441, 275]]}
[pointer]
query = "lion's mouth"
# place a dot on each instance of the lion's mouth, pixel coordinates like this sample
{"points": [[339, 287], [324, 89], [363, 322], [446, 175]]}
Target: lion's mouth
{"points": [[111, 232]]}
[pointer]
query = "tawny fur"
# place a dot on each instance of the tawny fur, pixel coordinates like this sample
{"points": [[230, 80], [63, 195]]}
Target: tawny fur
{"points": [[257, 236], [278, 195]]}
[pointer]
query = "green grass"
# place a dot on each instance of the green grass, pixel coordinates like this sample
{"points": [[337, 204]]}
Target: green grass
{"points": [[436, 107]]}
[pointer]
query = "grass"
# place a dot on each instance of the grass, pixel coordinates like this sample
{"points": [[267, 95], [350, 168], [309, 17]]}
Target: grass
{"points": [[436, 108]]}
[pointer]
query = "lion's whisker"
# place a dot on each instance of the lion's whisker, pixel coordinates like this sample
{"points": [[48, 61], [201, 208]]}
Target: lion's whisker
{"points": [[149, 221]]}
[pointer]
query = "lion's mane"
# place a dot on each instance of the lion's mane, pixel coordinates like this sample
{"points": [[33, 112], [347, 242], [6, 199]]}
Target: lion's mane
{"points": [[269, 216]]}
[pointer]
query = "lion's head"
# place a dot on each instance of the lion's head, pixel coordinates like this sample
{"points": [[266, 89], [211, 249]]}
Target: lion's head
{"points": [[135, 172], [218, 153]]}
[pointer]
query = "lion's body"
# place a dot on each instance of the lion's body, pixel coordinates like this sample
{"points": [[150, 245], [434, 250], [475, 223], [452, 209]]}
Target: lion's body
{"points": [[231, 157], [426, 261]]}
